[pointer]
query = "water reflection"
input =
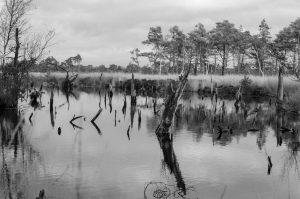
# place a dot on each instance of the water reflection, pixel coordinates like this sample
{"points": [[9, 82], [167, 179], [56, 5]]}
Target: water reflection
{"points": [[214, 145], [15, 156], [170, 160]]}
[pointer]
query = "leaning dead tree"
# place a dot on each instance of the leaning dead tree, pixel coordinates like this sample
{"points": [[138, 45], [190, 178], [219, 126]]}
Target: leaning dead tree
{"points": [[162, 131], [171, 102]]}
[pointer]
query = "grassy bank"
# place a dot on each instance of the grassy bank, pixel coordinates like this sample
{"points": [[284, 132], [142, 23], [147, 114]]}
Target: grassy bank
{"points": [[195, 82], [259, 88]]}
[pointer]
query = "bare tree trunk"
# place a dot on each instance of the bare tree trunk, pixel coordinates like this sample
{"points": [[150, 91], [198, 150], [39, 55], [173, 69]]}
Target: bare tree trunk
{"points": [[242, 61], [171, 103], [224, 59], [259, 61], [215, 63], [298, 53], [259, 65], [233, 60], [280, 86], [201, 62], [16, 73], [51, 107], [294, 62], [17, 49], [133, 91], [196, 65], [279, 124], [239, 63]]}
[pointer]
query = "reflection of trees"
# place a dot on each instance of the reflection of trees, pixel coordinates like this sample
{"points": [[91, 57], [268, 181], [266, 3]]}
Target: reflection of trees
{"points": [[6, 127], [132, 113], [16, 157], [166, 145], [69, 93], [51, 107], [291, 159], [202, 120]]}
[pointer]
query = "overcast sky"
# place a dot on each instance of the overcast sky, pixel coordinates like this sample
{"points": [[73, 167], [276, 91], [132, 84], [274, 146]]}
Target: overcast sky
{"points": [[104, 31]]}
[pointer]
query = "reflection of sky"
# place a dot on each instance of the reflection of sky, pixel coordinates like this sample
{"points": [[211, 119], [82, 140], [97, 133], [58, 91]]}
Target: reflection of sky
{"points": [[114, 167]]}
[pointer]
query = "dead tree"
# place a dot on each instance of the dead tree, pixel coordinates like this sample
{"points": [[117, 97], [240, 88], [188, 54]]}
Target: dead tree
{"points": [[171, 102], [133, 91], [128, 130], [67, 86], [124, 106], [51, 107], [270, 165], [139, 119], [30, 117], [72, 122], [132, 113], [93, 121], [115, 118], [100, 78], [162, 131], [68, 83], [280, 85], [280, 55]]}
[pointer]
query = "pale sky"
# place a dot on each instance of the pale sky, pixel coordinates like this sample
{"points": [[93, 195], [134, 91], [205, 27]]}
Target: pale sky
{"points": [[104, 31]]}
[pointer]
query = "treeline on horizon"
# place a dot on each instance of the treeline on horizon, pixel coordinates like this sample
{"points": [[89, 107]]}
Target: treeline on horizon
{"points": [[222, 50]]}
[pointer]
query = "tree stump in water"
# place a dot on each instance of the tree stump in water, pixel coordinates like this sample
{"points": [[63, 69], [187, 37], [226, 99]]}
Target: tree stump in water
{"points": [[171, 103], [133, 91]]}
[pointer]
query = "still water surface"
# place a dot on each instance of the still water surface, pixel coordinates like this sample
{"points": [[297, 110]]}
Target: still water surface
{"points": [[108, 162]]}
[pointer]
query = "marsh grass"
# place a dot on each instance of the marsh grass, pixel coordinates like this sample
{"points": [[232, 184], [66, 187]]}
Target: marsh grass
{"points": [[195, 82]]}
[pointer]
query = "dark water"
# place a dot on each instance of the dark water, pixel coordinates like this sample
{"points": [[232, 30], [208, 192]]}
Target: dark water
{"points": [[107, 162]]}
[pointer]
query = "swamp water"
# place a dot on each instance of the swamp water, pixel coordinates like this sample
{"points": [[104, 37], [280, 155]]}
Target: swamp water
{"points": [[107, 160]]}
